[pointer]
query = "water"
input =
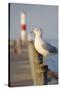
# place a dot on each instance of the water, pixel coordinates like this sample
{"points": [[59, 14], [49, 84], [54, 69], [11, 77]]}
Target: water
{"points": [[52, 61]]}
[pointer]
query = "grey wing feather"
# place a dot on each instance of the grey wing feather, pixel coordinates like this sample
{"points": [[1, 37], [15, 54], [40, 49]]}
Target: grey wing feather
{"points": [[50, 48]]}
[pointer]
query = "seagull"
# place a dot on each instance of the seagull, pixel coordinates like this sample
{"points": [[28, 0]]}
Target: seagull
{"points": [[41, 46]]}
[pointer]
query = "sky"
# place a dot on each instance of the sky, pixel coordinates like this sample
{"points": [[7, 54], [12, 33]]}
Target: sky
{"points": [[38, 16]]}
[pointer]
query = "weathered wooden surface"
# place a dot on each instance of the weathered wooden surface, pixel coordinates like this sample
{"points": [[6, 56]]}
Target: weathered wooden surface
{"points": [[39, 71], [20, 70]]}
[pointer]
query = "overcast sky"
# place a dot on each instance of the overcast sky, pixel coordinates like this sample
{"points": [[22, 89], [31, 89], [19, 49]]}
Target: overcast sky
{"points": [[42, 16]]}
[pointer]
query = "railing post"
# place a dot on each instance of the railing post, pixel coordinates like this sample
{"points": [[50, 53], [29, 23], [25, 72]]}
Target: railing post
{"points": [[31, 58], [17, 48], [41, 74], [39, 70]]}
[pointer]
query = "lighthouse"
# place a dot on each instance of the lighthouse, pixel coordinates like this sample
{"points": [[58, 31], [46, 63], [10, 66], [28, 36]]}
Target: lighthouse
{"points": [[23, 27]]}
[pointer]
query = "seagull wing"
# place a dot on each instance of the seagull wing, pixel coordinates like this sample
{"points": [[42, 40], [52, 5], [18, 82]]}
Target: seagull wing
{"points": [[49, 47]]}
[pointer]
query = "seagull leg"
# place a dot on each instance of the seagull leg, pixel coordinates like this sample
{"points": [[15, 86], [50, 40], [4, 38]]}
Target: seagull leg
{"points": [[44, 58]]}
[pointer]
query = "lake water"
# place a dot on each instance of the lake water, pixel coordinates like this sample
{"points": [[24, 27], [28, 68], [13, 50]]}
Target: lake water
{"points": [[52, 61]]}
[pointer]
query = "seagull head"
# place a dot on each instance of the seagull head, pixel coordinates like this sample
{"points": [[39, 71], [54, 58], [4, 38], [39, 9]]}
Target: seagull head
{"points": [[37, 32]]}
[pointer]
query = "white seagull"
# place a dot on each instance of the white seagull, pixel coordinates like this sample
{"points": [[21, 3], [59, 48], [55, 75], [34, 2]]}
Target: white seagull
{"points": [[40, 45]]}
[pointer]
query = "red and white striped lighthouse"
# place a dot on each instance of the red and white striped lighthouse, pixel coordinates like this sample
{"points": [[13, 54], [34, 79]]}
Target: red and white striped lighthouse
{"points": [[23, 27]]}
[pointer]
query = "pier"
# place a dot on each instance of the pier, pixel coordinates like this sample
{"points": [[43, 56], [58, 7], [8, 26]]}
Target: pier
{"points": [[27, 70]]}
